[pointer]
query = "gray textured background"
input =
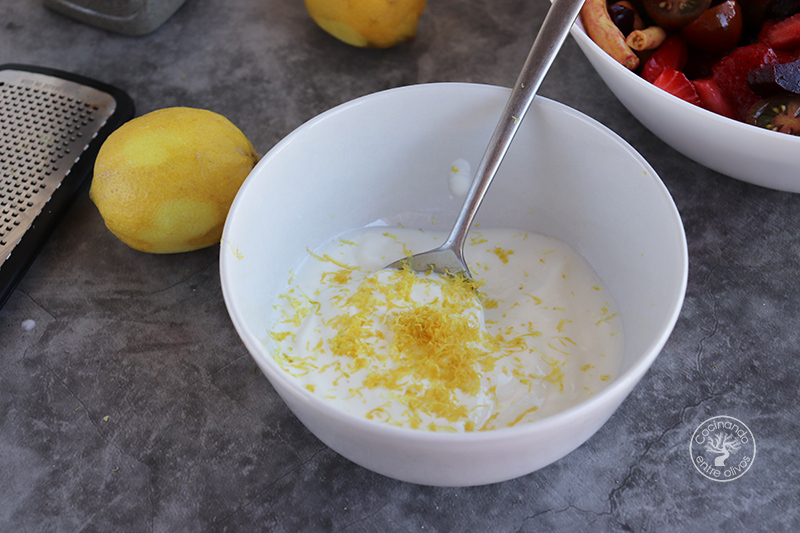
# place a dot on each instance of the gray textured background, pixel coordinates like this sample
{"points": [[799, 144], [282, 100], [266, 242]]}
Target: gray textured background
{"points": [[197, 440]]}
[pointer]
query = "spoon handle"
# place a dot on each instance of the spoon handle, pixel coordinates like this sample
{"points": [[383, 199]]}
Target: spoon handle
{"points": [[551, 36]]}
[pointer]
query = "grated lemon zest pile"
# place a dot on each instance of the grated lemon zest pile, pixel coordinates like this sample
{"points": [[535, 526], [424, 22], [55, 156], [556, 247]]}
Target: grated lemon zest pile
{"points": [[436, 343]]}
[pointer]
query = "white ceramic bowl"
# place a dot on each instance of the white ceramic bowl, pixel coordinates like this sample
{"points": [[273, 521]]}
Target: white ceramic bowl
{"points": [[387, 155], [742, 151]]}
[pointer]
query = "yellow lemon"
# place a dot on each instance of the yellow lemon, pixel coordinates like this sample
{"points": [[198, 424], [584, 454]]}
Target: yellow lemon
{"points": [[164, 182], [368, 23]]}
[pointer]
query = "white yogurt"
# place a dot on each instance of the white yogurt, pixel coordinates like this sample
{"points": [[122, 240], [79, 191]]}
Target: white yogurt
{"points": [[459, 179], [540, 334]]}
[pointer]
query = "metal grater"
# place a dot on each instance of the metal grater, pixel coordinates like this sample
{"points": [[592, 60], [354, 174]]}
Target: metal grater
{"points": [[52, 124]]}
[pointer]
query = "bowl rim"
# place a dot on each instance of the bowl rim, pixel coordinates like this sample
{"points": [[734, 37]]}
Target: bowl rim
{"points": [[622, 384]]}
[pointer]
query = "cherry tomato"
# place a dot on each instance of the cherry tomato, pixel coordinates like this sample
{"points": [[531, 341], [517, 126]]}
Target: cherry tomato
{"points": [[779, 113], [675, 14], [717, 30]]}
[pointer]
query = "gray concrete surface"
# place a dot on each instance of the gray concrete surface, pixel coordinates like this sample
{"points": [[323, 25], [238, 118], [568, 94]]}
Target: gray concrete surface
{"points": [[132, 405]]}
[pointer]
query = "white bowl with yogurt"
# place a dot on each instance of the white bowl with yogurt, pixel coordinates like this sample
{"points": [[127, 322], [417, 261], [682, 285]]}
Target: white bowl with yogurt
{"points": [[394, 161]]}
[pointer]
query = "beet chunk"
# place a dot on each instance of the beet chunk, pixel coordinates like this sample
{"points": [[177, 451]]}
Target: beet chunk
{"points": [[775, 79]]}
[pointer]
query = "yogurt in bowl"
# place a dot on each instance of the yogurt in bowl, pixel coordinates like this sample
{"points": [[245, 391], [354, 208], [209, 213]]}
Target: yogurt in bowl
{"points": [[382, 165], [533, 333]]}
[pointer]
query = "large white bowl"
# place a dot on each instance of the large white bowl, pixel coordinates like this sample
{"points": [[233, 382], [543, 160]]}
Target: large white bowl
{"points": [[742, 151], [387, 156]]}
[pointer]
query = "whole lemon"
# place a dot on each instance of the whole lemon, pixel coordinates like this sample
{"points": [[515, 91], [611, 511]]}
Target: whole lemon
{"points": [[368, 23], [164, 182]]}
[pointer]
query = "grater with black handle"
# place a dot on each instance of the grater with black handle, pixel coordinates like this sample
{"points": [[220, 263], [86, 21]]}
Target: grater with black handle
{"points": [[52, 124]]}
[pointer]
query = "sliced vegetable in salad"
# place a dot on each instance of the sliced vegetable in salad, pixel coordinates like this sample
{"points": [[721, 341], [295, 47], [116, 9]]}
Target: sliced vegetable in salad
{"points": [[736, 58]]}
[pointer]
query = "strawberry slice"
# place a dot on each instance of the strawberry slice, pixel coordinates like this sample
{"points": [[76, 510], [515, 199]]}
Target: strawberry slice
{"points": [[730, 73], [712, 97], [785, 56], [782, 35], [677, 84], [671, 54]]}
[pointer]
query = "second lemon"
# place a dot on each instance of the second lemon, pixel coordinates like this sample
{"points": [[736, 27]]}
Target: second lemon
{"points": [[368, 23]]}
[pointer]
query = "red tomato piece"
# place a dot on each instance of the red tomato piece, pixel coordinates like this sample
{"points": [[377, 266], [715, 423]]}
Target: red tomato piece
{"points": [[782, 35], [712, 98], [717, 30], [677, 84], [671, 54]]}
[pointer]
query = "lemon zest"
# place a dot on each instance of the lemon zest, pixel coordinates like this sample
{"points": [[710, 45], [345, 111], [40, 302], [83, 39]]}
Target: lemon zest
{"points": [[606, 319], [502, 253], [522, 415]]}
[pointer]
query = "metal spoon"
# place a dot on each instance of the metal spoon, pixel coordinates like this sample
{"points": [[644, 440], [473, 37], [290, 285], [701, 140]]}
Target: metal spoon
{"points": [[449, 257]]}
